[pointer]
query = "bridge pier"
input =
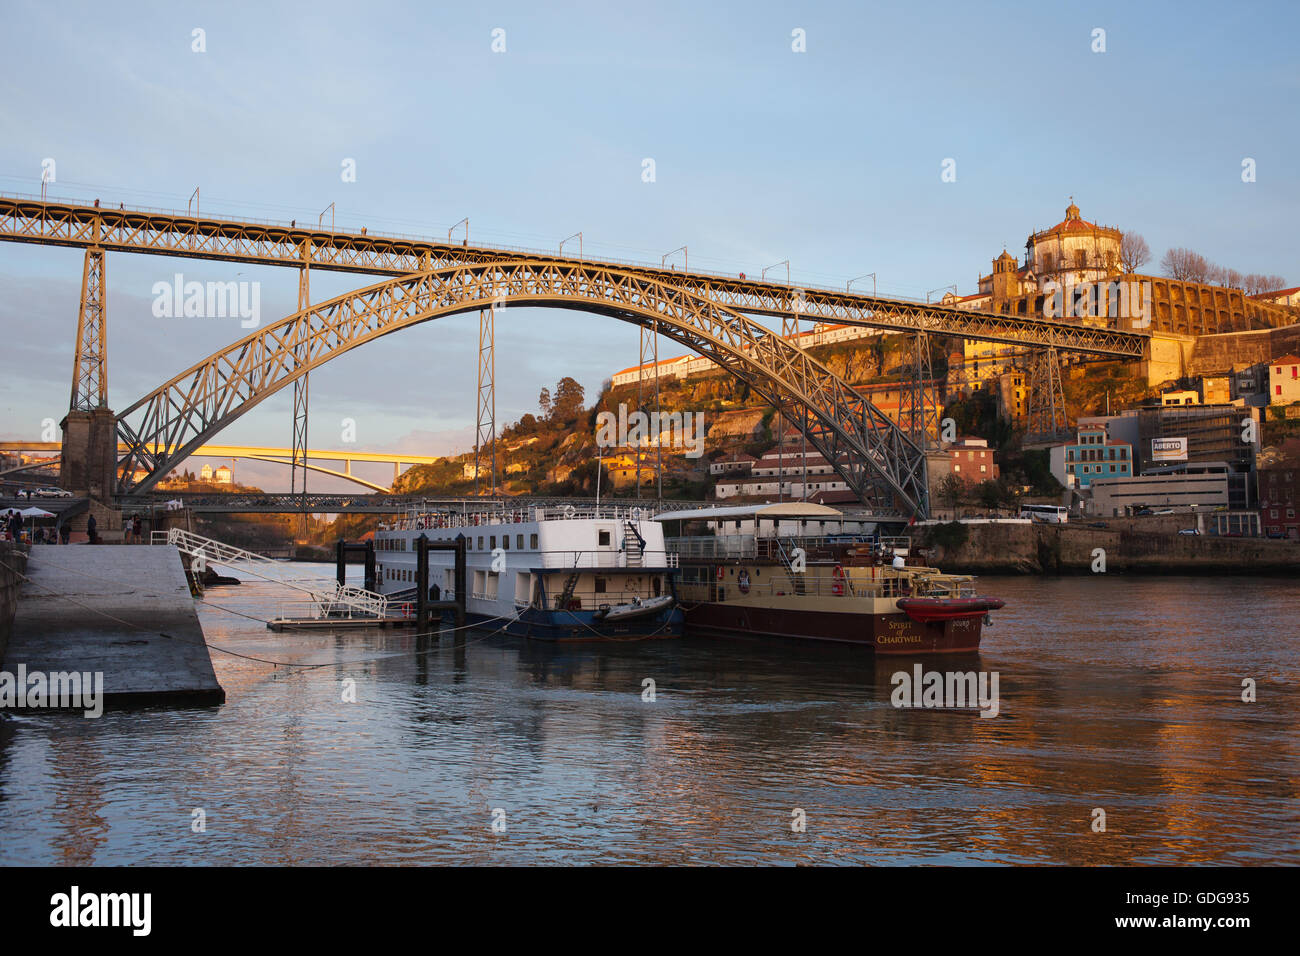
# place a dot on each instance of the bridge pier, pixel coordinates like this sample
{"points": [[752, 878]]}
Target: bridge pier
{"points": [[88, 457]]}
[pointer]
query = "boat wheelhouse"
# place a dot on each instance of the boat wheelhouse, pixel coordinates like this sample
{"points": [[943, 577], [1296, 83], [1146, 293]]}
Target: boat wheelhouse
{"points": [[557, 572]]}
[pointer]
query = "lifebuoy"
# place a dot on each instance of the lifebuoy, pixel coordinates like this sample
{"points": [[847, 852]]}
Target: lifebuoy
{"points": [[837, 581]]}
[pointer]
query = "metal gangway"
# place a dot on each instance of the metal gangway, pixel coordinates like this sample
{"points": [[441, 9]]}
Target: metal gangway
{"points": [[331, 598]]}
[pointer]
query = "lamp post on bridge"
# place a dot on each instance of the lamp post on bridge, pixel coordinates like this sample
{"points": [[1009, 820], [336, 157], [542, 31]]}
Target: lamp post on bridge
{"points": [[940, 289], [464, 222], [576, 235], [870, 275]]}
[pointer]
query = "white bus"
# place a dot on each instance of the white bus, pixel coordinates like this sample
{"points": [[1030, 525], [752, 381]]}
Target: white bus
{"points": [[1052, 514]]}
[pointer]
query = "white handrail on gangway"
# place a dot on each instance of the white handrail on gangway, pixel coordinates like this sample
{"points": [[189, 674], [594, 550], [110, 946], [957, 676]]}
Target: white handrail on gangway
{"points": [[332, 598]]}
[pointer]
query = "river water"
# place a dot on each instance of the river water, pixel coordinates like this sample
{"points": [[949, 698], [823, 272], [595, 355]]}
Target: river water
{"points": [[1119, 694]]}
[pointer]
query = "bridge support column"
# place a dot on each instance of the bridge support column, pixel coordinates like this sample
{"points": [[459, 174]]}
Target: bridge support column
{"points": [[1047, 422], [918, 406], [298, 445], [649, 353], [89, 372], [89, 454], [485, 432]]}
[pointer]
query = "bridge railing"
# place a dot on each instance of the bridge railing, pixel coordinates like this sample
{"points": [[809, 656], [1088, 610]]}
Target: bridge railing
{"points": [[642, 264]]}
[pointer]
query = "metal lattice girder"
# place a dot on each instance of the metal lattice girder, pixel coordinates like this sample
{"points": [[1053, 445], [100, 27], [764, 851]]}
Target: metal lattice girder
{"points": [[64, 224], [485, 432], [1046, 419], [918, 406], [877, 460], [89, 370], [649, 353], [298, 443]]}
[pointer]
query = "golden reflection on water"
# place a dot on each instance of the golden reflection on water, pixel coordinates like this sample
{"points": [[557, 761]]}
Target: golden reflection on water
{"points": [[1120, 694]]}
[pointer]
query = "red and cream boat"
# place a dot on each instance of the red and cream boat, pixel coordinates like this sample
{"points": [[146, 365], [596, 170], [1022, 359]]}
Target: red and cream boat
{"points": [[761, 574]]}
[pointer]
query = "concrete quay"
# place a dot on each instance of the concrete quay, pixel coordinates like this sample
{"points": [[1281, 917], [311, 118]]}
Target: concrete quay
{"points": [[125, 612]]}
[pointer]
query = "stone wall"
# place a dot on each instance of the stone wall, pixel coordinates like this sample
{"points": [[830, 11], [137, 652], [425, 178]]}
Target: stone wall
{"points": [[1135, 546], [1222, 353], [13, 562]]}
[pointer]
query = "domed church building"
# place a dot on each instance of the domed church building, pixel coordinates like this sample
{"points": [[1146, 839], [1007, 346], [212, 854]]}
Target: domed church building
{"points": [[1073, 251]]}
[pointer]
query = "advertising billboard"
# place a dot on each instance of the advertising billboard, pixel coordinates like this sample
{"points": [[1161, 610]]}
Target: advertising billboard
{"points": [[1167, 450]]}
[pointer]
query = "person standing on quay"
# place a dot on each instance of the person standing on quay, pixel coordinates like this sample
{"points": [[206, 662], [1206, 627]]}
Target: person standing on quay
{"points": [[91, 523]]}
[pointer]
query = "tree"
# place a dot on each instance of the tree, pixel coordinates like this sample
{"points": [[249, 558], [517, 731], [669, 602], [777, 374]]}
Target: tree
{"points": [[1256, 283], [990, 494], [567, 404], [1186, 265], [951, 490], [1133, 251], [544, 402]]}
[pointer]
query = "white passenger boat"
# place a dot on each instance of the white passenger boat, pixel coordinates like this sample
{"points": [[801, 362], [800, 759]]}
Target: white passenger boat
{"points": [[554, 573]]}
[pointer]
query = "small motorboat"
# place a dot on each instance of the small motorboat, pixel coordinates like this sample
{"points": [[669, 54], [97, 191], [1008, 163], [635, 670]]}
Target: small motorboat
{"points": [[637, 608], [927, 609]]}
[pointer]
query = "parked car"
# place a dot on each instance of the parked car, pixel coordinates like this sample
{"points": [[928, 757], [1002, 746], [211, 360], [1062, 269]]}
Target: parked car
{"points": [[52, 493], [1190, 531]]}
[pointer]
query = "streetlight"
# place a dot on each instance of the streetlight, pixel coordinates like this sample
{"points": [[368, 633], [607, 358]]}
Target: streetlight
{"points": [[686, 267], [578, 236], [869, 275], [194, 198], [940, 289], [464, 222], [783, 262], [320, 220]]}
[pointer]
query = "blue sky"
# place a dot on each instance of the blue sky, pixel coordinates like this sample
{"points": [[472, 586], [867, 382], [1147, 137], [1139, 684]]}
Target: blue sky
{"points": [[830, 158]]}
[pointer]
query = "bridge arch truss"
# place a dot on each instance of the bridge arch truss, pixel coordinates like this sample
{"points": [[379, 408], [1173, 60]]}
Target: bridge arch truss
{"points": [[879, 462]]}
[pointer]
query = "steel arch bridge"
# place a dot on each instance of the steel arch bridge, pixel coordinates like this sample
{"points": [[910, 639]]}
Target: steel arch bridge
{"points": [[880, 463]]}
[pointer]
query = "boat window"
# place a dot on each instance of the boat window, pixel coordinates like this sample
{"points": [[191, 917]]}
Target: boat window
{"points": [[492, 542], [480, 542], [519, 541], [600, 585], [532, 542], [604, 538], [505, 542]]}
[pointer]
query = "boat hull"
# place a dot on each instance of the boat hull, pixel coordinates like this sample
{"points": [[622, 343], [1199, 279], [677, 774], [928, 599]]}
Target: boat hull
{"points": [[575, 626], [885, 634]]}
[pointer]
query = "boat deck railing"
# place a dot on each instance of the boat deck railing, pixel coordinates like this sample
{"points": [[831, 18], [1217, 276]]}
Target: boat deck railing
{"points": [[888, 583], [767, 548], [420, 518]]}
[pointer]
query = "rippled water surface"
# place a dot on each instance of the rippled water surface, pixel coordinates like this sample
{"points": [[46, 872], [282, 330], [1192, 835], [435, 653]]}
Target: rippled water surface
{"points": [[1116, 693]]}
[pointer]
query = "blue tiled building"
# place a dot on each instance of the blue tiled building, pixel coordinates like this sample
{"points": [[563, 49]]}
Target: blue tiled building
{"points": [[1090, 456]]}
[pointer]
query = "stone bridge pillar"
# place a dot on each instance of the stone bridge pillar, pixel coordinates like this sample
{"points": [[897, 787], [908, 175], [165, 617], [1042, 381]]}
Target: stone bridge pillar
{"points": [[89, 454]]}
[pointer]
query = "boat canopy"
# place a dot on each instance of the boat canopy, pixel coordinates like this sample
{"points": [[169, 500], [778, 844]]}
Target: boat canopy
{"points": [[786, 509]]}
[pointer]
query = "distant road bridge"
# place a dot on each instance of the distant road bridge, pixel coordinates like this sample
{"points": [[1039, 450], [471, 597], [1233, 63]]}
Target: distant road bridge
{"points": [[706, 313], [278, 456]]}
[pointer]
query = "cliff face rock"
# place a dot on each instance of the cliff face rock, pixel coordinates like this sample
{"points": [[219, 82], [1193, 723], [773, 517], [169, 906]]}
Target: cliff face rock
{"points": [[740, 425]]}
